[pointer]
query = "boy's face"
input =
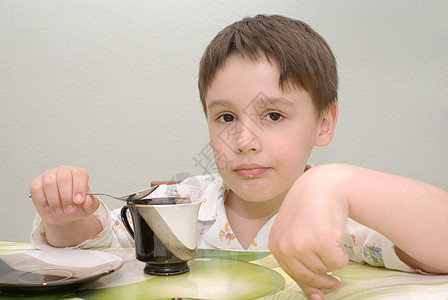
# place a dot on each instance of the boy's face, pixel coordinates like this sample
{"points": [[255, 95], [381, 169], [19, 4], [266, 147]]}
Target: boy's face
{"points": [[261, 136]]}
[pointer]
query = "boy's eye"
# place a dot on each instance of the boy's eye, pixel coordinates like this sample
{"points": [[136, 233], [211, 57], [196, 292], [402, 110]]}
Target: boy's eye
{"points": [[274, 116], [226, 118]]}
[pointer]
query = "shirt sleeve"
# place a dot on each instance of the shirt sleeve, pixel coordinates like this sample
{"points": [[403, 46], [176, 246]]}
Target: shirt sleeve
{"points": [[365, 245], [113, 234]]}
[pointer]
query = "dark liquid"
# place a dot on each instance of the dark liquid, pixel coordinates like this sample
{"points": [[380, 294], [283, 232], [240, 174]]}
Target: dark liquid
{"points": [[160, 201]]}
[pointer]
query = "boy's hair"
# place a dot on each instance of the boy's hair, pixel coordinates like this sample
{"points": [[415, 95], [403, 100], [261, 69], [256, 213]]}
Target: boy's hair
{"points": [[304, 57]]}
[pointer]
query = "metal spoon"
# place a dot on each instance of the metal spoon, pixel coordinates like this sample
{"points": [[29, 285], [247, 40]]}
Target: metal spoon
{"points": [[135, 196]]}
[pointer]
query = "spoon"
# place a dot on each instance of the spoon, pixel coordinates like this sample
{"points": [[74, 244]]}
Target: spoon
{"points": [[131, 197]]}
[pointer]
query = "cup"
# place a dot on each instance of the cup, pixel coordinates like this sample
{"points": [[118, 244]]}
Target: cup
{"points": [[164, 231]]}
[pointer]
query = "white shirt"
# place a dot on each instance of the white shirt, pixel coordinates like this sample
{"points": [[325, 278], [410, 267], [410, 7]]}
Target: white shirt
{"points": [[363, 244]]}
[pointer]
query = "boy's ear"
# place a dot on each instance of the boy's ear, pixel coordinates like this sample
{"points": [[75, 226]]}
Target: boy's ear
{"points": [[327, 125]]}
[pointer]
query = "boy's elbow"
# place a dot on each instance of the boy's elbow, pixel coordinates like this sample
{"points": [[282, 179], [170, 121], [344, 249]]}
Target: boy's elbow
{"points": [[431, 269], [440, 268]]}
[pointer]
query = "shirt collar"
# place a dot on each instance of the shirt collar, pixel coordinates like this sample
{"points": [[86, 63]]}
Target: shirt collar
{"points": [[221, 236], [212, 198]]}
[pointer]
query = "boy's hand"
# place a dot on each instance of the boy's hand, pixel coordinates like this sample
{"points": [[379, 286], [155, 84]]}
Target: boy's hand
{"points": [[306, 236], [59, 195]]}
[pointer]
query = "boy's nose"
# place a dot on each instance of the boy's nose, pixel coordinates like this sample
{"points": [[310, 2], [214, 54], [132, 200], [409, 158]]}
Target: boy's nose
{"points": [[246, 141]]}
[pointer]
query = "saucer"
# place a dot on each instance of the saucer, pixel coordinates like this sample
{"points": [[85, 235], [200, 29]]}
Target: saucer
{"points": [[55, 271]]}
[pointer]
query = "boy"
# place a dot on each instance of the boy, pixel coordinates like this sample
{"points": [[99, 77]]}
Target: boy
{"points": [[268, 86]]}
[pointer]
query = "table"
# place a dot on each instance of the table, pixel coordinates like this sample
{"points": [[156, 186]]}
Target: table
{"points": [[228, 273]]}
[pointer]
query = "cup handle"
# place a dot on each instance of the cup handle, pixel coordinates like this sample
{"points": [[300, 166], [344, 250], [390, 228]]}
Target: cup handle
{"points": [[124, 217]]}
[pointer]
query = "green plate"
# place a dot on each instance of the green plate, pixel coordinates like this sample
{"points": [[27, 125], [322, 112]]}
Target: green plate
{"points": [[209, 278], [238, 255]]}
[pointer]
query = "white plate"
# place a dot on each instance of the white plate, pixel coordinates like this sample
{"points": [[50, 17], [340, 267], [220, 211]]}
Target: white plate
{"points": [[53, 271]]}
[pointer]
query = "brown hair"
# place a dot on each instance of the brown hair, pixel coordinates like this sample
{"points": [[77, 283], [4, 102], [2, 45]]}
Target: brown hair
{"points": [[304, 57]]}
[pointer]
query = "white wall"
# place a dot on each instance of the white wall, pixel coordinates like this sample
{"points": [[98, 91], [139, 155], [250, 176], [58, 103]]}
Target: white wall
{"points": [[111, 86]]}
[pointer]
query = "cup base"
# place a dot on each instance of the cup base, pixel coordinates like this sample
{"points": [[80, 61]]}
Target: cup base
{"points": [[166, 269]]}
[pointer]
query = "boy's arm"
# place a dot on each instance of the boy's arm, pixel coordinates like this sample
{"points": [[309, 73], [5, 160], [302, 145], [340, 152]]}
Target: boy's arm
{"points": [[411, 213], [306, 235], [72, 233]]}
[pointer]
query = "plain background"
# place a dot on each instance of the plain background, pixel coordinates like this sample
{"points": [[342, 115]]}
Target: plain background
{"points": [[112, 86]]}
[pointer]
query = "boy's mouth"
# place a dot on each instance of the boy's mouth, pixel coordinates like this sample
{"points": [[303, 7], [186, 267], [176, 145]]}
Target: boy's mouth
{"points": [[250, 170]]}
